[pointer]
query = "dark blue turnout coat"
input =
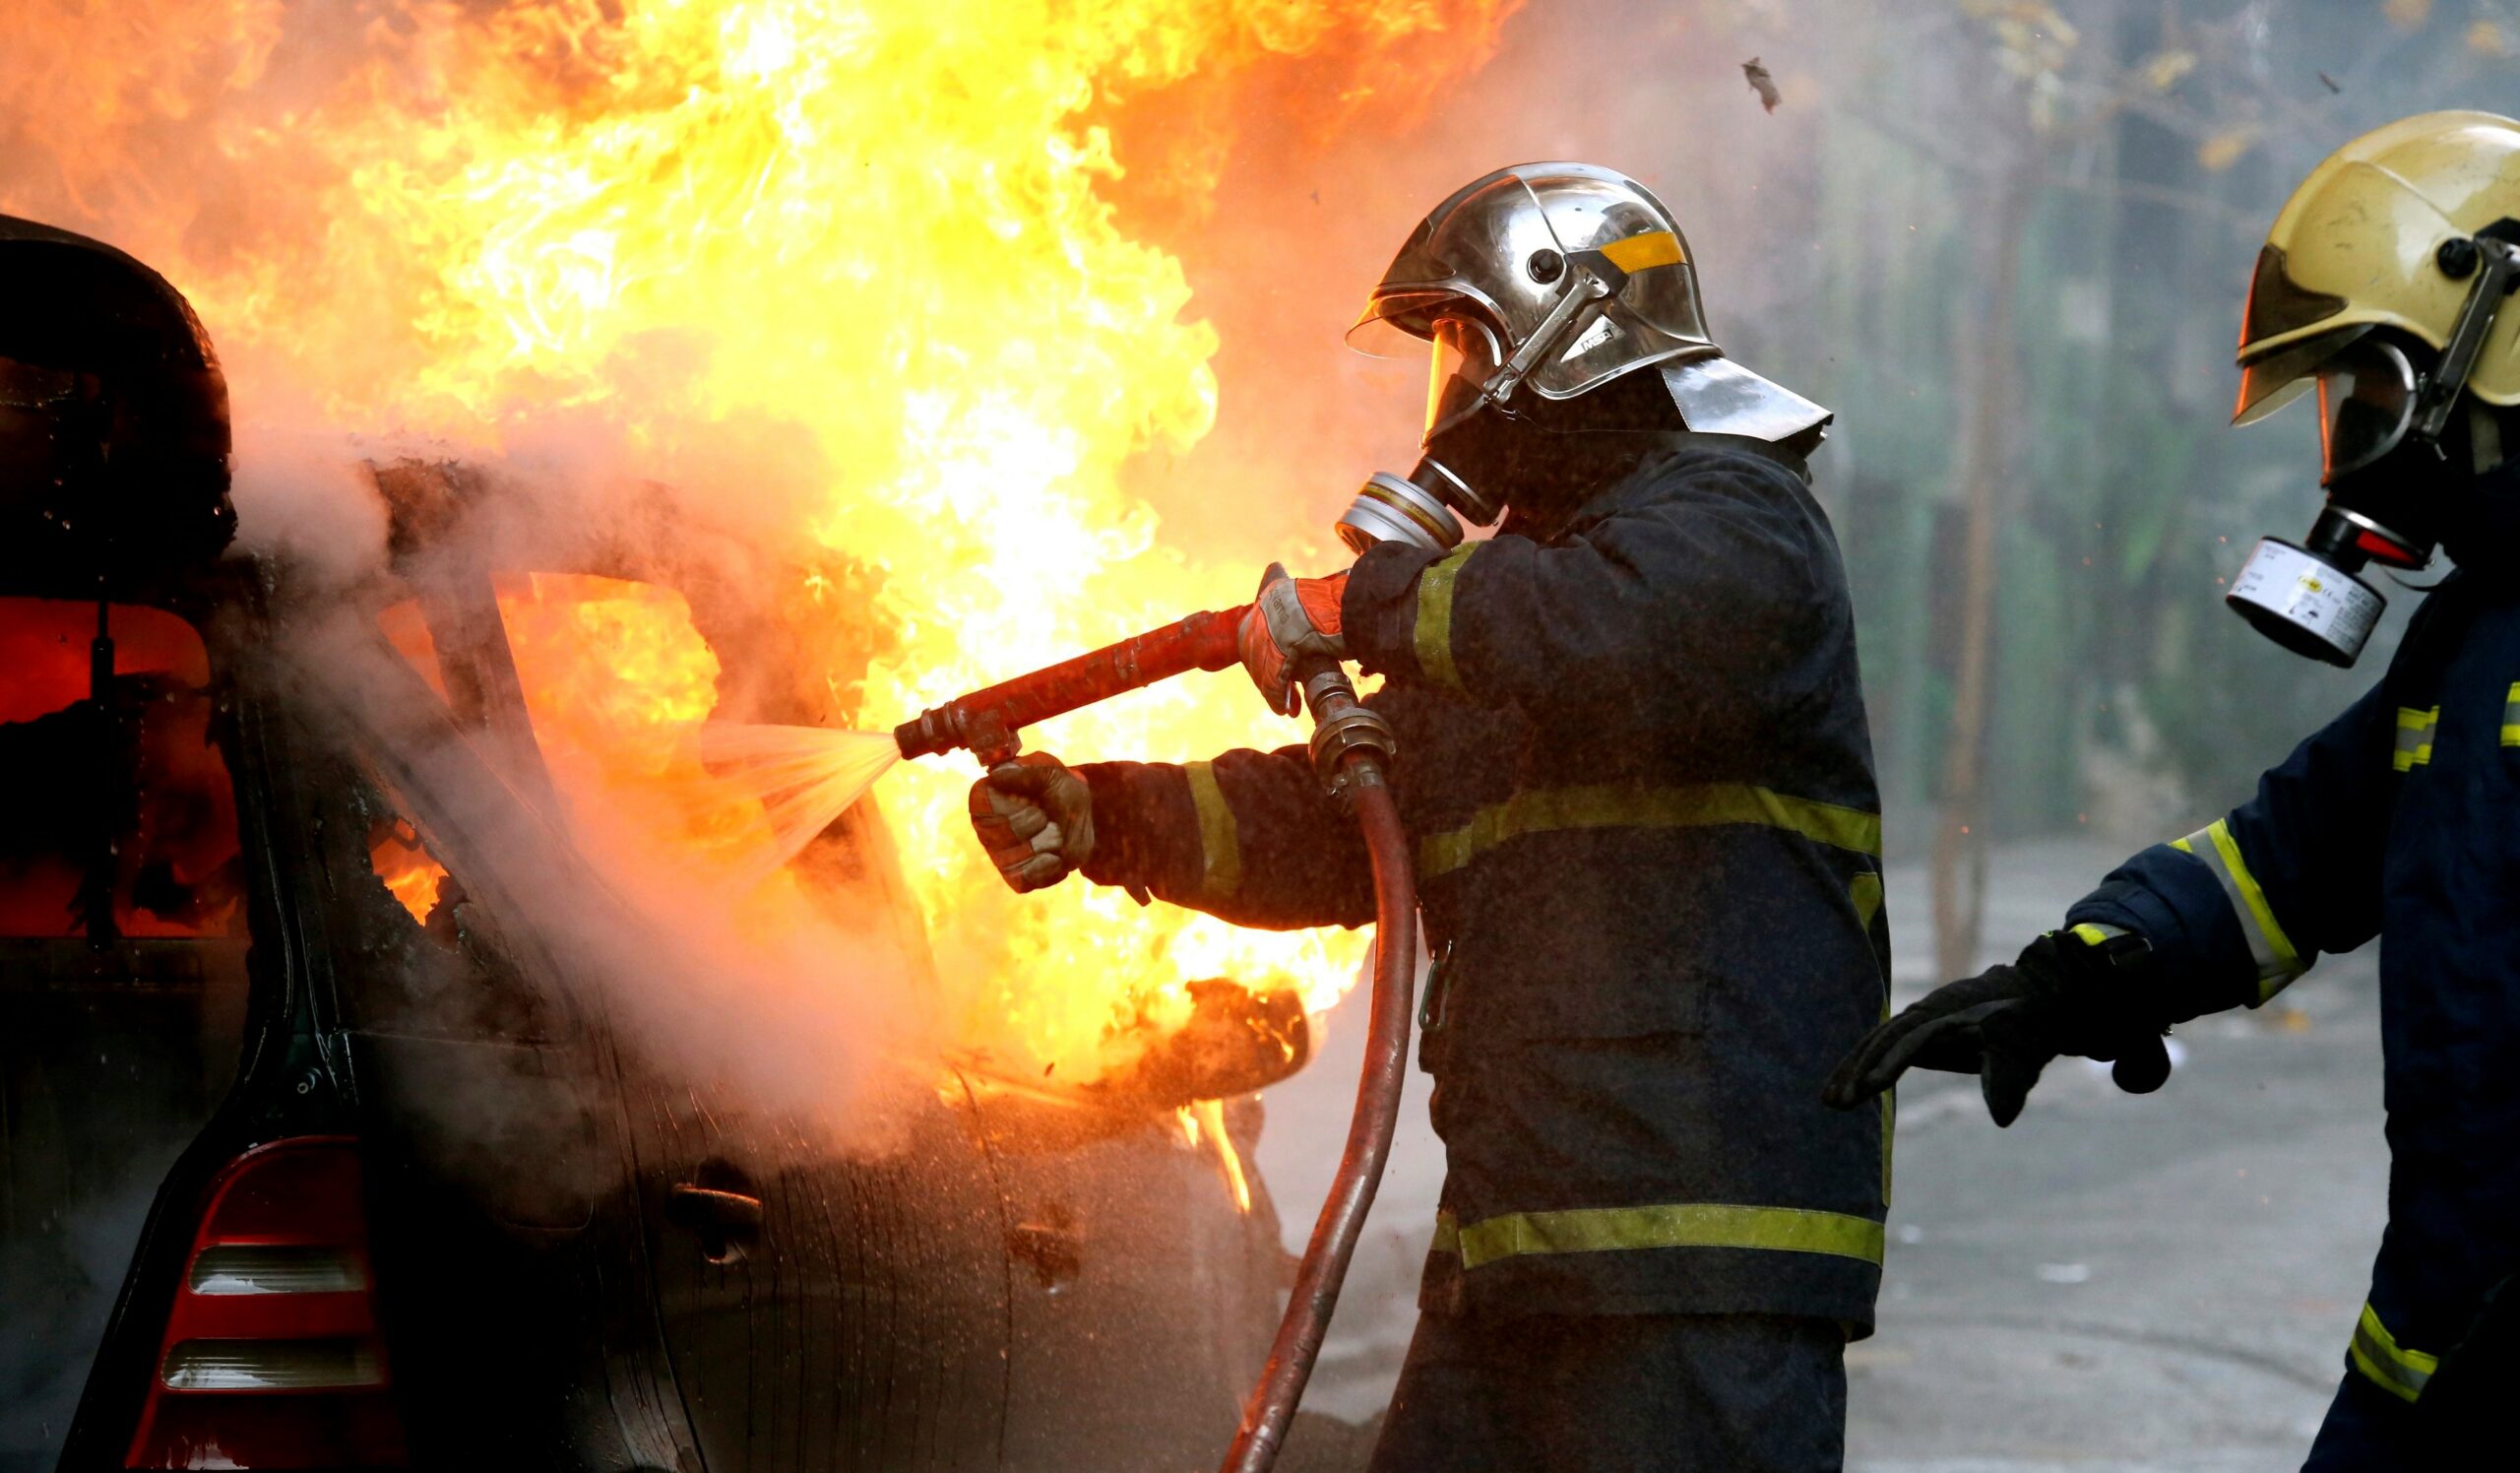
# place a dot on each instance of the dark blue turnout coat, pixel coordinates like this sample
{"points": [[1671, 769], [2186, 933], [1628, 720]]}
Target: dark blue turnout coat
{"points": [[2400, 819], [1634, 763]]}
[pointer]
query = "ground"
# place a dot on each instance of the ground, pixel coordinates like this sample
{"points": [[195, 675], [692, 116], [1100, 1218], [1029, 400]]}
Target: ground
{"points": [[2114, 1285]]}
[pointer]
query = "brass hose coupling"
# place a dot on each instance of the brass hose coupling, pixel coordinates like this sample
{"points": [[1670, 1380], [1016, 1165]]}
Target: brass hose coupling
{"points": [[1343, 727]]}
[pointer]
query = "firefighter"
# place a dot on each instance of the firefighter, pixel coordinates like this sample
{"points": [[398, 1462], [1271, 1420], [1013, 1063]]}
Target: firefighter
{"points": [[2385, 284], [1634, 765]]}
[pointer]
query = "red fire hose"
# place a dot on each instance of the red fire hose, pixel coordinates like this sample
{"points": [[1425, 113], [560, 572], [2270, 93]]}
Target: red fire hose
{"points": [[1352, 1192], [1352, 750]]}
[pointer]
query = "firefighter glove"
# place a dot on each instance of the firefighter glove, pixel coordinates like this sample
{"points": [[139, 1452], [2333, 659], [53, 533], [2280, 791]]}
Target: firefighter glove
{"points": [[1036, 819], [1295, 619], [2068, 992]]}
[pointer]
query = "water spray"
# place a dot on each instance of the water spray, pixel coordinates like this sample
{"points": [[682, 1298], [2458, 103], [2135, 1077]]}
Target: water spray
{"points": [[1352, 752]]}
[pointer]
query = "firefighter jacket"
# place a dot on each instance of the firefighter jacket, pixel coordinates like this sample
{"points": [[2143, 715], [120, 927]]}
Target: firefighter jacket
{"points": [[1634, 764], [2400, 819]]}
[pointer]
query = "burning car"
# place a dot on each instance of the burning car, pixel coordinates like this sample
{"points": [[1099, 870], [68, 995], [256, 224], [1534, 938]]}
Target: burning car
{"points": [[327, 1141]]}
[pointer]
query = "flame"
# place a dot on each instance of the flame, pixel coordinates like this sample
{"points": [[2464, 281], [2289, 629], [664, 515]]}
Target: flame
{"points": [[1206, 1120], [407, 869], [848, 271]]}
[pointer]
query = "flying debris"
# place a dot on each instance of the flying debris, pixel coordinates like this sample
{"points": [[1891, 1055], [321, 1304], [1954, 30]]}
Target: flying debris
{"points": [[2330, 83], [1762, 84]]}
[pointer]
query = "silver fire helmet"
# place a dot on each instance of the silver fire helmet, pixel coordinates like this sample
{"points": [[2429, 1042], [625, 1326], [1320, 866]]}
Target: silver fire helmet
{"points": [[1559, 278]]}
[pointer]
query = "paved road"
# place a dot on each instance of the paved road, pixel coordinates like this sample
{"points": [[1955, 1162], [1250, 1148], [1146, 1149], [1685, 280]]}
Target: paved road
{"points": [[2114, 1285]]}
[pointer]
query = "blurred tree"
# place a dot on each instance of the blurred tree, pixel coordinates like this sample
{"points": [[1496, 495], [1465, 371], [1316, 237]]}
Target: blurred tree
{"points": [[2035, 222]]}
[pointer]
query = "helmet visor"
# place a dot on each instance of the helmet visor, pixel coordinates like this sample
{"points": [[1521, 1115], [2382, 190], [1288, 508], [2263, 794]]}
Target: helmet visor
{"points": [[1397, 324], [1465, 358], [2272, 381], [2278, 304], [2367, 402]]}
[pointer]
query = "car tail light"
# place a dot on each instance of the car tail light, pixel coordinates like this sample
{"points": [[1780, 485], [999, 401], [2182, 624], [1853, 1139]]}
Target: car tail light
{"points": [[272, 1357]]}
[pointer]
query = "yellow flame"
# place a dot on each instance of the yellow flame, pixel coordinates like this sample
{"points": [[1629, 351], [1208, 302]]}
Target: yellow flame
{"points": [[847, 268], [408, 872], [1209, 1115]]}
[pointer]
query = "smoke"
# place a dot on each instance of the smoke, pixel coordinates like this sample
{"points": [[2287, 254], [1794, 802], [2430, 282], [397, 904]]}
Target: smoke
{"points": [[794, 998], [433, 235], [302, 500], [542, 243]]}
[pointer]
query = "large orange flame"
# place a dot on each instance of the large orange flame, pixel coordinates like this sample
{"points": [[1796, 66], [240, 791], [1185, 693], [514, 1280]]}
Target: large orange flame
{"points": [[846, 273]]}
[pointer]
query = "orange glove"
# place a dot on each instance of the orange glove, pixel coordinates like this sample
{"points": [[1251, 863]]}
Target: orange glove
{"points": [[1036, 819], [1294, 619]]}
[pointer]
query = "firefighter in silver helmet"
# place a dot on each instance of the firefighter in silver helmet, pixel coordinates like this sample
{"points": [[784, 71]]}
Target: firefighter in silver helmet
{"points": [[2386, 286], [1634, 764]]}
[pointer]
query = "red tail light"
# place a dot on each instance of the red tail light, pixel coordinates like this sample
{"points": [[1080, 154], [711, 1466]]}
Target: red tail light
{"points": [[272, 1357]]}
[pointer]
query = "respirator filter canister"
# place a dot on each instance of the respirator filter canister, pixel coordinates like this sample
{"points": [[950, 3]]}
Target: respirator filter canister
{"points": [[2305, 603], [2307, 597], [1397, 509]]}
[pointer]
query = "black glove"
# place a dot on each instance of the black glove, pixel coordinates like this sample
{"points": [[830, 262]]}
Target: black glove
{"points": [[2068, 992], [1036, 819]]}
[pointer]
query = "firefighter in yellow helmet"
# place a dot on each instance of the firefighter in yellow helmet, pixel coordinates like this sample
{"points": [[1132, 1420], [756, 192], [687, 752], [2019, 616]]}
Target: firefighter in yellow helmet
{"points": [[2385, 289]]}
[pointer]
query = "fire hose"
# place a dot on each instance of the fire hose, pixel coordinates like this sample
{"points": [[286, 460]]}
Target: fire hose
{"points": [[1352, 750]]}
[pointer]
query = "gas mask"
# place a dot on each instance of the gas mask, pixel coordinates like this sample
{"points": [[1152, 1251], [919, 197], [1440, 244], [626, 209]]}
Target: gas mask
{"points": [[1484, 445], [1467, 452], [2397, 466]]}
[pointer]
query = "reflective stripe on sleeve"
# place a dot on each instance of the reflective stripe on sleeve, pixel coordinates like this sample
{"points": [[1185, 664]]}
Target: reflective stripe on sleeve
{"points": [[1220, 841], [2415, 735], [1433, 636], [2511, 715], [2277, 962], [2400, 1371], [1594, 1229], [1547, 810], [2092, 932]]}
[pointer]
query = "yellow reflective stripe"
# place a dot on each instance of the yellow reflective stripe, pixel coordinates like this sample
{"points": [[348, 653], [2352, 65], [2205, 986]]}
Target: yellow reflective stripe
{"points": [[1596, 1230], [2511, 715], [2092, 932], [2400, 1371], [1628, 807], [2278, 963], [2285, 957], [1220, 841], [1434, 637], [2414, 736], [1653, 248], [1865, 890]]}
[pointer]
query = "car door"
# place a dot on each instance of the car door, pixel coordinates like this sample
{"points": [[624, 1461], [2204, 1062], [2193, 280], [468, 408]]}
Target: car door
{"points": [[828, 1309], [1146, 1290], [511, 1251]]}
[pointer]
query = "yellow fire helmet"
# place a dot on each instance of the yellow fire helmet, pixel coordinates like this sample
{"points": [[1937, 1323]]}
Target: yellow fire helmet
{"points": [[2381, 235]]}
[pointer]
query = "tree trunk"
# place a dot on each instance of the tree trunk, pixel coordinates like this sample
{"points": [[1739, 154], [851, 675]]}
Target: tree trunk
{"points": [[1987, 354]]}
